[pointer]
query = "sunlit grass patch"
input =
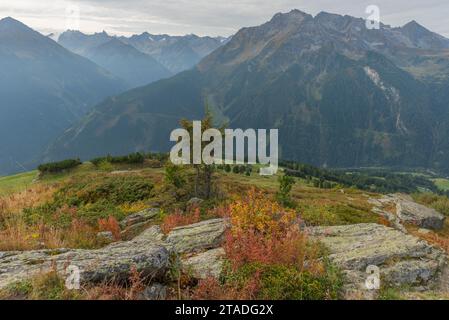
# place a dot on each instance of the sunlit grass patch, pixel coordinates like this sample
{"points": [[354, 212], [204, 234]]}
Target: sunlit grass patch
{"points": [[18, 182]]}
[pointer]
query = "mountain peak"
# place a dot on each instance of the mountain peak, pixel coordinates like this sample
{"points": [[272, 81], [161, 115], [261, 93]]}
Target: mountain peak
{"points": [[323, 14], [103, 33], [293, 14], [9, 20], [290, 19], [11, 23], [422, 37], [413, 25]]}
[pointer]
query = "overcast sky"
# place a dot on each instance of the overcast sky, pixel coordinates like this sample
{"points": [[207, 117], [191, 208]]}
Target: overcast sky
{"points": [[205, 17]]}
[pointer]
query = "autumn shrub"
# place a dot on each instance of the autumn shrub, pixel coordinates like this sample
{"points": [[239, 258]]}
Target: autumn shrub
{"points": [[110, 224], [47, 217], [269, 257], [179, 218], [31, 197], [255, 211], [263, 231], [129, 208]]}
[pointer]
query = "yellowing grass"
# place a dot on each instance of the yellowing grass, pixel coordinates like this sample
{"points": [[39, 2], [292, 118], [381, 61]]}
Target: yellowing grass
{"points": [[18, 182]]}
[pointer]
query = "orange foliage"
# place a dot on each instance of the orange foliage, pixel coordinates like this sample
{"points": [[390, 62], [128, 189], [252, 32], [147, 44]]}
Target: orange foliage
{"points": [[434, 239], [110, 224], [262, 214], [250, 246], [265, 233], [29, 198], [179, 218]]}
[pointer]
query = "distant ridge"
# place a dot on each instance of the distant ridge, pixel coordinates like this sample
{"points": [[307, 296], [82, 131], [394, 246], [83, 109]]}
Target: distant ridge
{"points": [[44, 88]]}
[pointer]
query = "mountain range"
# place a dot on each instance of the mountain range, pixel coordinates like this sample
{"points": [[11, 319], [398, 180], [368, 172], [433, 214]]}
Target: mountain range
{"points": [[174, 53], [341, 95], [44, 89]]}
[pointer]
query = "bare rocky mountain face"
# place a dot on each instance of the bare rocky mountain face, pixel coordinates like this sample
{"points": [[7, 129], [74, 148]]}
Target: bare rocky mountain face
{"points": [[340, 94]]}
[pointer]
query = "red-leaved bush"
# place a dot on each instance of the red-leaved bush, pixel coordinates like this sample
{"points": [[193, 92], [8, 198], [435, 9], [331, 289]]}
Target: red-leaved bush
{"points": [[262, 234], [110, 224], [179, 219]]}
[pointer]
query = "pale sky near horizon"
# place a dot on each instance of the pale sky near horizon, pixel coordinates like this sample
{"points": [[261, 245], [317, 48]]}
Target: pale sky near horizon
{"points": [[205, 17]]}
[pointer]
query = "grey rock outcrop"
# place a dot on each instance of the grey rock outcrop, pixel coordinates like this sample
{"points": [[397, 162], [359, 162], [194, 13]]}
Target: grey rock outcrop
{"points": [[401, 258], [195, 202], [149, 253], [407, 211], [206, 264], [197, 237], [106, 236], [139, 217], [114, 261], [415, 213]]}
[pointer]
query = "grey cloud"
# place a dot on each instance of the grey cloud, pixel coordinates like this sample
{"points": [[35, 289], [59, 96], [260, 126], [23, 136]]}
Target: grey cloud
{"points": [[213, 17]]}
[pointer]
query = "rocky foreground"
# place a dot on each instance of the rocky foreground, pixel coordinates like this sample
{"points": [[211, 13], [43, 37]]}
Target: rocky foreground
{"points": [[149, 253], [403, 260]]}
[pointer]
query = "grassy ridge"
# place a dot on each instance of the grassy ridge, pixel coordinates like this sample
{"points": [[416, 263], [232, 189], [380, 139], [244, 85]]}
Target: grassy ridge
{"points": [[18, 182]]}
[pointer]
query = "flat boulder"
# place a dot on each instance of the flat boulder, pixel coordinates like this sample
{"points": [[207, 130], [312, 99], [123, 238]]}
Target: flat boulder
{"points": [[206, 264], [400, 209], [197, 237], [402, 259], [417, 214], [139, 217]]}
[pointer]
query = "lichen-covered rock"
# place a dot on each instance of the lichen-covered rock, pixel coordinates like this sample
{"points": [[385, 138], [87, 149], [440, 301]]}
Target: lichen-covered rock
{"points": [[206, 264], [195, 202], [406, 211], [139, 217], [402, 259], [415, 213], [106, 236], [197, 237], [114, 261]]}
